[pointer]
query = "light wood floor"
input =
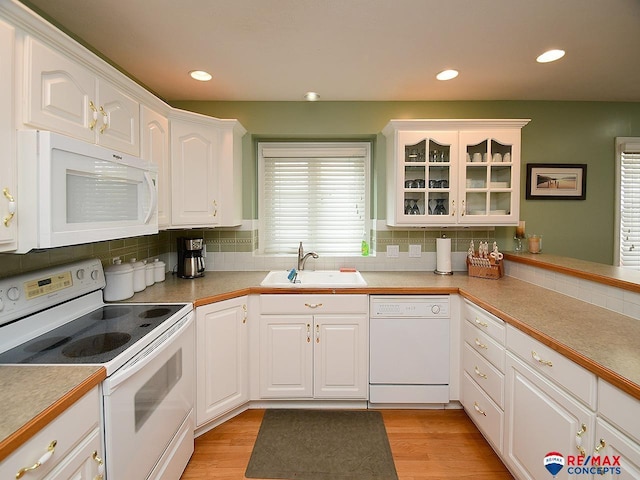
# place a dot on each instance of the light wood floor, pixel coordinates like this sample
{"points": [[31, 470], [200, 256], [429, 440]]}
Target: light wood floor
{"points": [[426, 445]]}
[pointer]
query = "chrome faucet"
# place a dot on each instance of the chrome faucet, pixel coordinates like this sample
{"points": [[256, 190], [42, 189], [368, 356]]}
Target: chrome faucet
{"points": [[302, 258]]}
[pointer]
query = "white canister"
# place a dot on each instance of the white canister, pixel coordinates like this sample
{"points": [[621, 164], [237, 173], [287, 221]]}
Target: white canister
{"points": [[149, 275], [158, 270], [139, 280], [119, 281]]}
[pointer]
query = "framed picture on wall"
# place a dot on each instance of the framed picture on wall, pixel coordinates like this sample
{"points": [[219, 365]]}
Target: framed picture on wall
{"points": [[556, 181]]}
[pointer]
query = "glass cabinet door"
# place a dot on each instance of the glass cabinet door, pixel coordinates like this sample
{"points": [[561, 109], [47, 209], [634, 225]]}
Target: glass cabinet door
{"points": [[426, 175], [491, 168]]}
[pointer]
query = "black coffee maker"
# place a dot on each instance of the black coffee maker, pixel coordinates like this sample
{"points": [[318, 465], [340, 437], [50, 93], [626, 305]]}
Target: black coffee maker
{"points": [[190, 259]]}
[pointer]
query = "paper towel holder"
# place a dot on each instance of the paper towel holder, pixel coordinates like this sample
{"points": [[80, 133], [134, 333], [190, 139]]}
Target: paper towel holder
{"points": [[439, 268]]}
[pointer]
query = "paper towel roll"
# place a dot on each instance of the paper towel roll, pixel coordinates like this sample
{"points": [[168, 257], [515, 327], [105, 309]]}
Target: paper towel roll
{"points": [[443, 255]]}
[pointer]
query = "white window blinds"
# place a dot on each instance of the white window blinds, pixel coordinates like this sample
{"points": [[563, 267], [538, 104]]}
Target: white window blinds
{"points": [[629, 202], [315, 193]]}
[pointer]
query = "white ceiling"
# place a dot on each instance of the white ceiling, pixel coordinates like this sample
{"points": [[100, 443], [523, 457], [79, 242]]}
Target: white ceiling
{"points": [[366, 49]]}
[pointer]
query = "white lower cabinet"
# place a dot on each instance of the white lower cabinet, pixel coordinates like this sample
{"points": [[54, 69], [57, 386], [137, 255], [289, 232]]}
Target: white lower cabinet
{"points": [[617, 439], [68, 448], [541, 418], [320, 355], [483, 363], [222, 358]]}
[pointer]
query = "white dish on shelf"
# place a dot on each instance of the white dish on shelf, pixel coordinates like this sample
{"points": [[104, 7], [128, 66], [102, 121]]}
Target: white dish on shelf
{"points": [[475, 183], [499, 184], [498, 212]]}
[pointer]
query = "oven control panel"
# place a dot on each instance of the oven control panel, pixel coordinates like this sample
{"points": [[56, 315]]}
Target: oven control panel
{"points": [[31, 292]]}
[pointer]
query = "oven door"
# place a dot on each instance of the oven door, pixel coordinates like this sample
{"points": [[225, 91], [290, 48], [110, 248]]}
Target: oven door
{"points": [[147, 400]]}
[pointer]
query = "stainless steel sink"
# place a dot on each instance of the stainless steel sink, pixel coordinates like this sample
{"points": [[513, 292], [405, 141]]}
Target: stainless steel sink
{"points": [[314, 278]]}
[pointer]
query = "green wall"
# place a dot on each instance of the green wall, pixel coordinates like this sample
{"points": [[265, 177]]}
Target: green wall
{"points": [[559, 132]]}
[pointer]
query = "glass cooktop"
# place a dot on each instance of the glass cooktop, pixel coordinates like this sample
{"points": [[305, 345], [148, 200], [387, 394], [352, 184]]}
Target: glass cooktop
{"points": [[97, 337]]}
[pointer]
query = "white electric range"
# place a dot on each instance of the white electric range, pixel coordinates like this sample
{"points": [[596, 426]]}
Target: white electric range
{"points": [[57, 316]]}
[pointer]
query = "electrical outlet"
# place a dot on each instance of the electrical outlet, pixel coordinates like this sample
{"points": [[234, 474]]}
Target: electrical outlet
{"points": [[415, 251], [393, 251]]}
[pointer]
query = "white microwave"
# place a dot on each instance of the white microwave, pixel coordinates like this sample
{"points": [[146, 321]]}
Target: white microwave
{"points": [[72, 192]]}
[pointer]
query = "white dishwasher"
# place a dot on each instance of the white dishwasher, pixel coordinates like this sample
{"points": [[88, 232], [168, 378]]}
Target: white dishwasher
{"points": [[409, 349]]}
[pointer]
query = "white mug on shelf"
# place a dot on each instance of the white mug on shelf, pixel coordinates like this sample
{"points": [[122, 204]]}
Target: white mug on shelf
{"points": [[477, 157]]}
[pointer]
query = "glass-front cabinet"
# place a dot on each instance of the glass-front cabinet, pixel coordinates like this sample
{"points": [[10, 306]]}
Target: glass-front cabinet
{"points": [[448, 172], [425, 179], [489, 183]]}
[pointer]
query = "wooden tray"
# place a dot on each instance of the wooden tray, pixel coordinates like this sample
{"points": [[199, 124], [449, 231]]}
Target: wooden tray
{"points": [[494, 271]]}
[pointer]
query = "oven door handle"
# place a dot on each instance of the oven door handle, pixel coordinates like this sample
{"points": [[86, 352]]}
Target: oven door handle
{"points": [[157, 347]]}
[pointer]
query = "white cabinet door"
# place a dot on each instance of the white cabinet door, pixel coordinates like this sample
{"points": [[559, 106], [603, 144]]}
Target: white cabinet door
{"points": [[423, 178], [539, 419], [340, 357], [63, 95], [619, 454], [489, 177], [155, 148], [59, 92], [118, 119], [286, 356], [194, 174], [8, 191], [222, 358], [303, 356]]}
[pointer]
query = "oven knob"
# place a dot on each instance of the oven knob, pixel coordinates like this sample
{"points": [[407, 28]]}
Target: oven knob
{"points": [[1, 305], [94, 274], [435, 309], [13, 294], [80, 274]]}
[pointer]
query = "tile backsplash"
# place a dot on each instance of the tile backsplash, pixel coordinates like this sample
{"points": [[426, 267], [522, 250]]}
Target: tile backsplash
{"points": [[234, 249]]}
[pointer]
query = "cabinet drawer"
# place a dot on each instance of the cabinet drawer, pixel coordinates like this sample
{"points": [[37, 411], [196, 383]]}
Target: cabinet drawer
{"points": [[484, 413], [577, 380], [486, 322], [488, 377], [484, 345], [619, 408], [72, 426], [313, 304]]}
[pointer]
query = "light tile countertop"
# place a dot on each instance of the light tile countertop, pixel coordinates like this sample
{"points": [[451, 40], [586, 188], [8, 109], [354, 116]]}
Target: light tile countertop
{"points": [[604, 342]]}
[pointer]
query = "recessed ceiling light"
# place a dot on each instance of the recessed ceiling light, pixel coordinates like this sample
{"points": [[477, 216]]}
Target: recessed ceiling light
{"points": [[447, 75], [550, 56], [200, 75], [311, 96]]}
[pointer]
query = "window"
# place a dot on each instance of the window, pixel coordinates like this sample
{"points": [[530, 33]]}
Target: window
{"points": [[628, 202], [315, 193]]}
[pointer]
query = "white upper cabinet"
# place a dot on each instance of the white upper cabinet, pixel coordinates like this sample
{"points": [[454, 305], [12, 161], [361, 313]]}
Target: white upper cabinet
{"points": [[8, 193], [453, 172], [206, 171], [155, 148], [65, 96]]}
